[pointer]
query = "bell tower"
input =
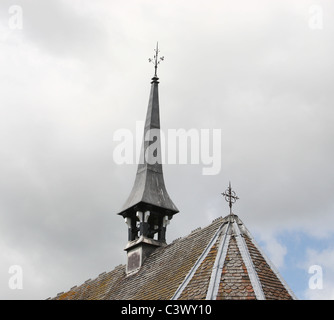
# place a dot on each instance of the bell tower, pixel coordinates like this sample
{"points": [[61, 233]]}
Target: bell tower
{"points": [[148, 208]]}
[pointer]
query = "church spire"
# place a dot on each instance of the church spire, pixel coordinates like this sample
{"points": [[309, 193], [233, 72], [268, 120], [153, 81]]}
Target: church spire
{"points": [[149, 208]]}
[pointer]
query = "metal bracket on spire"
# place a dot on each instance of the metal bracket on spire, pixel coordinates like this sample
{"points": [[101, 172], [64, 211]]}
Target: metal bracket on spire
{"points": [[230, 196], [156, 60]]}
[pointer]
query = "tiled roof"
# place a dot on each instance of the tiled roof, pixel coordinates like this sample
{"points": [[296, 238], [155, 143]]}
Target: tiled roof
{"points": [[221, 261]]}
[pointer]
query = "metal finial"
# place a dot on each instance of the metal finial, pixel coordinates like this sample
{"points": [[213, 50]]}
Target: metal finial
{"points": [[156, 60], [230, 196]]}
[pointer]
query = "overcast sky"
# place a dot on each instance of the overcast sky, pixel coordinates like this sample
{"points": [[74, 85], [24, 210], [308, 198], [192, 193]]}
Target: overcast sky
{"points": [[76, 71]]}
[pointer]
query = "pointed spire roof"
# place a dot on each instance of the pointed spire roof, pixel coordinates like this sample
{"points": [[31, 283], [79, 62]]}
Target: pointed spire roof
{"points": [[149, 191], [239, 269]]}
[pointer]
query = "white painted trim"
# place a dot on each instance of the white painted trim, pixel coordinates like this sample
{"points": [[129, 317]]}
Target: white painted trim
{"points": [[146, 215], [128, 221], [274, 269], [218, 265], [191, 273], [139, 214], [165, 221], [256, 284]]}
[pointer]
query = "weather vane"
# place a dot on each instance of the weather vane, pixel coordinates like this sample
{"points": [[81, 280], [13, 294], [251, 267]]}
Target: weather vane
{"points": [[156, 60], [230, 196]]}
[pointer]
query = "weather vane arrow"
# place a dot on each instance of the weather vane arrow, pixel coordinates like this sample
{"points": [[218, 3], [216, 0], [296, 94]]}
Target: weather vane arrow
{"points": [[156, 60]]}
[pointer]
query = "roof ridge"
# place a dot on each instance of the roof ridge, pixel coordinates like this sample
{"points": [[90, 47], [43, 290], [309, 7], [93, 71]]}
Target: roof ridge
{"points": [[219, 263], [200, 259], [272, 267], [252, 274], [90, 280], [198, 229]]}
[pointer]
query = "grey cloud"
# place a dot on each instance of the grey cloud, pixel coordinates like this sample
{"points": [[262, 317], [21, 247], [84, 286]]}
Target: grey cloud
{"points": [[263, 78]]}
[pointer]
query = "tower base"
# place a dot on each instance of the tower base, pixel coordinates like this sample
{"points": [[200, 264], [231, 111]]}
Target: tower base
{"points": [[138, 250]]}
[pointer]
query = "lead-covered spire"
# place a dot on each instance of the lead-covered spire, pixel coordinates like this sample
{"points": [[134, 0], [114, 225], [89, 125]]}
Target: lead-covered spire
{"points": [[149, 208]]}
